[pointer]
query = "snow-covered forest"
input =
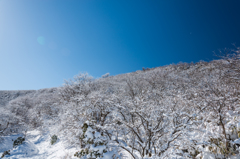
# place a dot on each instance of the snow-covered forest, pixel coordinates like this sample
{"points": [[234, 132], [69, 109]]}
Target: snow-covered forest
{"points": [[185, 110]]}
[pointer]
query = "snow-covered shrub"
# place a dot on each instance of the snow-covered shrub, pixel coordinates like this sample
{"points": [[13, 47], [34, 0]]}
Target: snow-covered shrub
{"points": [[18, 141], [5, 153], [95, 143], [54, 139]]}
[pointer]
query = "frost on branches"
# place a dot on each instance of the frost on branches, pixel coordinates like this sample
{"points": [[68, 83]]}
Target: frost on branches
{"points": [[95, 144], [176, 111]]}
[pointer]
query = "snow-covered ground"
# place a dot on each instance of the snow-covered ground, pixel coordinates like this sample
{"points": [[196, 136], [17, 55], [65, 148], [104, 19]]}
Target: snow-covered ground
{"points": [[36, 146]]}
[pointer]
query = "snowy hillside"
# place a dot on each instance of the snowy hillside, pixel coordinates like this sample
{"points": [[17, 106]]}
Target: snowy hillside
{"points": [[6, 96], [177, 111]]}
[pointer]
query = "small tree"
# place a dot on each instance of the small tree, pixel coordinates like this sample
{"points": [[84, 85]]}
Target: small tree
{"points": [[95, 143]]}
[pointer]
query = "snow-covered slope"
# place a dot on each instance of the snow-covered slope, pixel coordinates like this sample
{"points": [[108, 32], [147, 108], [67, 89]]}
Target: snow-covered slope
{"points": [[176, 111], [6, 96], [35, 146]]}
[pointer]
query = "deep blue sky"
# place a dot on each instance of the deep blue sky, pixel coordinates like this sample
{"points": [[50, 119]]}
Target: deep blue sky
{"points": [[43, 42]]}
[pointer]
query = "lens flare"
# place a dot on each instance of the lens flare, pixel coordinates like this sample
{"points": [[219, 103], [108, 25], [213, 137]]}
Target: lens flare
{"points": [[41, 40]]}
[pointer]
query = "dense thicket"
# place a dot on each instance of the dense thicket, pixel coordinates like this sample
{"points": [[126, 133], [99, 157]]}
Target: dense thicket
{"points": [[184, 110], [30, 111]]}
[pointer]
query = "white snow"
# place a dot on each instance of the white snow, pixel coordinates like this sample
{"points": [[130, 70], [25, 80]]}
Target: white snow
{"points": [[36, 146]]}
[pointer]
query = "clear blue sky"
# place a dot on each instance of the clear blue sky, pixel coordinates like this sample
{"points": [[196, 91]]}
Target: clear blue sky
{"points": [[43, 42]]}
